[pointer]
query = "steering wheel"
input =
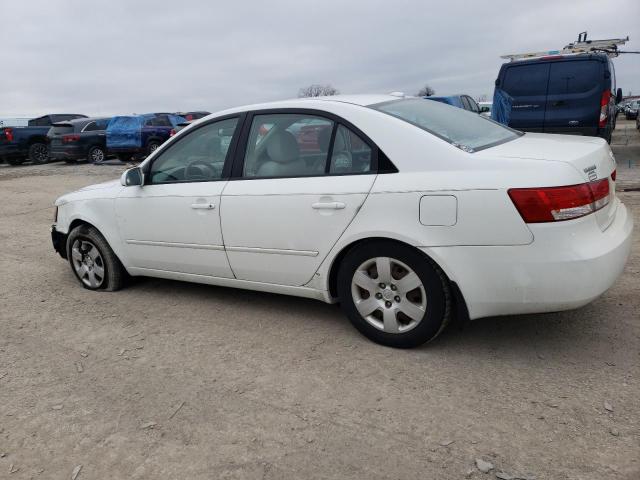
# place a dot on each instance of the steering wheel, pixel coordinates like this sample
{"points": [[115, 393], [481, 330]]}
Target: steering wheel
{"points": [[203, 170]]}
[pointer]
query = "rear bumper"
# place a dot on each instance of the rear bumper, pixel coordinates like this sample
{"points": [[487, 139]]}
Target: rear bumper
{"points": [[67, 153], [568, 265], [59, 241], [7, 151]]}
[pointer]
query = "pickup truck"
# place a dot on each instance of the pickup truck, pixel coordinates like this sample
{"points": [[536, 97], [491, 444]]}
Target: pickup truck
{"points": [[19, 144]]}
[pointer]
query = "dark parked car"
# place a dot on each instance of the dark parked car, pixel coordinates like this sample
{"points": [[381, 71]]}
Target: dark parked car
{"points": [[461, 101], [570, 94], [137, 136], [192, 115], [631, 112], [19, 144], [81, 139]]}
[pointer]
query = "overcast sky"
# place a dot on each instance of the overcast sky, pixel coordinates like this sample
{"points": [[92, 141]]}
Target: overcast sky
{"points": [[120, 56]]}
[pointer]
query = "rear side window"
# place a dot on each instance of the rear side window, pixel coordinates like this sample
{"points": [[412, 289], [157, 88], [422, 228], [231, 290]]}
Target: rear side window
{"points": [[575, 77], [526, 80], [90, 127]]}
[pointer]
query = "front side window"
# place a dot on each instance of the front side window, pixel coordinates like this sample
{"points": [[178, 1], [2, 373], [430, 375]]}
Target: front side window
{"points": [[463, 129], [287, 145], [198, 156]]}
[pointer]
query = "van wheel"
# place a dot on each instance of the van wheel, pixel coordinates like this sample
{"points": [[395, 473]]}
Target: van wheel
{"points": [[92, 261], [394, 294], [38, 153]]}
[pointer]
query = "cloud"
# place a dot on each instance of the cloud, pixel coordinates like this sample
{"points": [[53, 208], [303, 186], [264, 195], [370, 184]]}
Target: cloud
{"points": [[119, 56]]}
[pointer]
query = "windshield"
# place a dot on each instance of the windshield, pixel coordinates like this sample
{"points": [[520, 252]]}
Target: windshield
{"points": [[466, 130]]}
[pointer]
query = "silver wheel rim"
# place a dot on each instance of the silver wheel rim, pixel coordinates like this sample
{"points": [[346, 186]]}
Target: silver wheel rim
{"points": [[87, 263], [389, 295], [153, 147], [97, 155]]}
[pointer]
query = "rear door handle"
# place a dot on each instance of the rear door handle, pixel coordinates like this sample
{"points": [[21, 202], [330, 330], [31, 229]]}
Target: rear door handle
{"points": [[328, 206], [203, 206]]}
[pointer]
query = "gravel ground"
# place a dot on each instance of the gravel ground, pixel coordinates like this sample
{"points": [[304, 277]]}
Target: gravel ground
{"points": [[165, 380]]}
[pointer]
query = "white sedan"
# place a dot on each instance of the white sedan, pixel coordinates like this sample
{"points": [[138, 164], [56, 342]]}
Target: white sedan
{"points": [[407, 212]]}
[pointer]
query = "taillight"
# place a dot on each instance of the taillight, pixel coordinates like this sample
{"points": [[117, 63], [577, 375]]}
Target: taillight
{"points": [[8, 133], [554, 204], [604, 108], [70, 138], [613, 175], [172, 132]]}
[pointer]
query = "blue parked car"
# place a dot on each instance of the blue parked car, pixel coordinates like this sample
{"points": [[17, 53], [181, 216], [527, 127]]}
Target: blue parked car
{"points": [[136, 136], [570, 94], [461, 101]]}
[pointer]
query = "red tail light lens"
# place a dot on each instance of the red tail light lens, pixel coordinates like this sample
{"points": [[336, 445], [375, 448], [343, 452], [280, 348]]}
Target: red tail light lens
{"points": [[613, 175], [172, 132], [70, 138], [8, 133], [604, 108], [554, 204]]}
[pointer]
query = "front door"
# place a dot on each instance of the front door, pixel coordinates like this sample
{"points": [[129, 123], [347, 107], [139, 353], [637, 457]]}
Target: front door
{"points": [[172, 223], [303, 178]]}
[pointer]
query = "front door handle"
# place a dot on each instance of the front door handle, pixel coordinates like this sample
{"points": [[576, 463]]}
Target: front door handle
{"points": [[328, 206], [203, 206]]}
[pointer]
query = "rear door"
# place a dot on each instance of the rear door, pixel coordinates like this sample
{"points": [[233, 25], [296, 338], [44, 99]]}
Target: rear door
{"points": [[573, 98], [527, 85], [301, 180]]}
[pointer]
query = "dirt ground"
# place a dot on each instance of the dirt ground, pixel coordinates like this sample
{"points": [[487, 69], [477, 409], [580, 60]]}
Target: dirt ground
{"points": [[167, 380]]}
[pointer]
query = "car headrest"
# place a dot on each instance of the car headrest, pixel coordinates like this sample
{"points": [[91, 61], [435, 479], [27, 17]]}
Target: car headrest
{"points": [[283, 147]]}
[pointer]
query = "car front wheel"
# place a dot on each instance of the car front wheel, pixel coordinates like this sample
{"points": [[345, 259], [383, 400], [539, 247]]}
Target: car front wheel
{"points": [[393, 294], [96, 155], [92, 260]]}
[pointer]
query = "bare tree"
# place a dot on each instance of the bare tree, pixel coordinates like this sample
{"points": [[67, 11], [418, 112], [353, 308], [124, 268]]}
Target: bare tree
{"points": [[482, 98], [317, 90], [426, 91]]}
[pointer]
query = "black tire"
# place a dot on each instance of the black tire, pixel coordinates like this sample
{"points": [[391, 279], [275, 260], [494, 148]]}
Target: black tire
{"points": [[152, 146], [15, 161], [435, 287], [38, 153], [113, 275], [96, 155]]}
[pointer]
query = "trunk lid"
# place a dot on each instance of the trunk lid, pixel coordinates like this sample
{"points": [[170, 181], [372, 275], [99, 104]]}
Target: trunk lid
{"points": [[590, 156]]}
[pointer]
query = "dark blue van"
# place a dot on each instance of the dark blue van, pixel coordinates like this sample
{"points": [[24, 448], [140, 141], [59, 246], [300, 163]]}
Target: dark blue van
{"points": [[570, 94]]}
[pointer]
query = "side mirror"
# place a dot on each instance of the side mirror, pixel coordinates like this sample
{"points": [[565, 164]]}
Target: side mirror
{"points": [[619, 95], [484, 109], [132, 177]]}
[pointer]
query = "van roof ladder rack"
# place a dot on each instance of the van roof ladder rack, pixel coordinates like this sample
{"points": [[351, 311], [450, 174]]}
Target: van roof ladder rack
{"points": [[581, 46]]}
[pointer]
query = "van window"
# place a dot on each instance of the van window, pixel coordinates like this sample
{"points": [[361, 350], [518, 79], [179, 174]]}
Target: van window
{"points": [[526, 80], [575, 77]]}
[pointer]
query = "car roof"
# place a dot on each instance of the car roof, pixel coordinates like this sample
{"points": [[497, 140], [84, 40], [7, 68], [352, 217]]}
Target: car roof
{"points": [[601, 57], [314, 102]]}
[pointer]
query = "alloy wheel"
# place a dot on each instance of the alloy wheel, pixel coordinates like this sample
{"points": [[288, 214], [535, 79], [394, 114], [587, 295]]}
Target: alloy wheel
{"points": [[87, 263], [389, 295]]}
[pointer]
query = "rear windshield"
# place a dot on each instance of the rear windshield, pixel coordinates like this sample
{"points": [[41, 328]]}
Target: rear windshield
{"points": [[466, 130], [60, 129]]}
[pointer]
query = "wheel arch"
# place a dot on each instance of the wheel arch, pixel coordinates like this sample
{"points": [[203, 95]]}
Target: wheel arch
{"points": [[108, 236], [460, 310]]}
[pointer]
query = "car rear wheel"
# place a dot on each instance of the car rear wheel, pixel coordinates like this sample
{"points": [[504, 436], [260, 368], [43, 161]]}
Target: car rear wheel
{"points": [[393, 294], [152, 147], [38, 153], [92, 260], [96, 155]]}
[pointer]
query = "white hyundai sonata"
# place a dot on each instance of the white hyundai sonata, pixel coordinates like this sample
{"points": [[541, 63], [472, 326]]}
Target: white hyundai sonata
{"points": [[407, 212]]}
